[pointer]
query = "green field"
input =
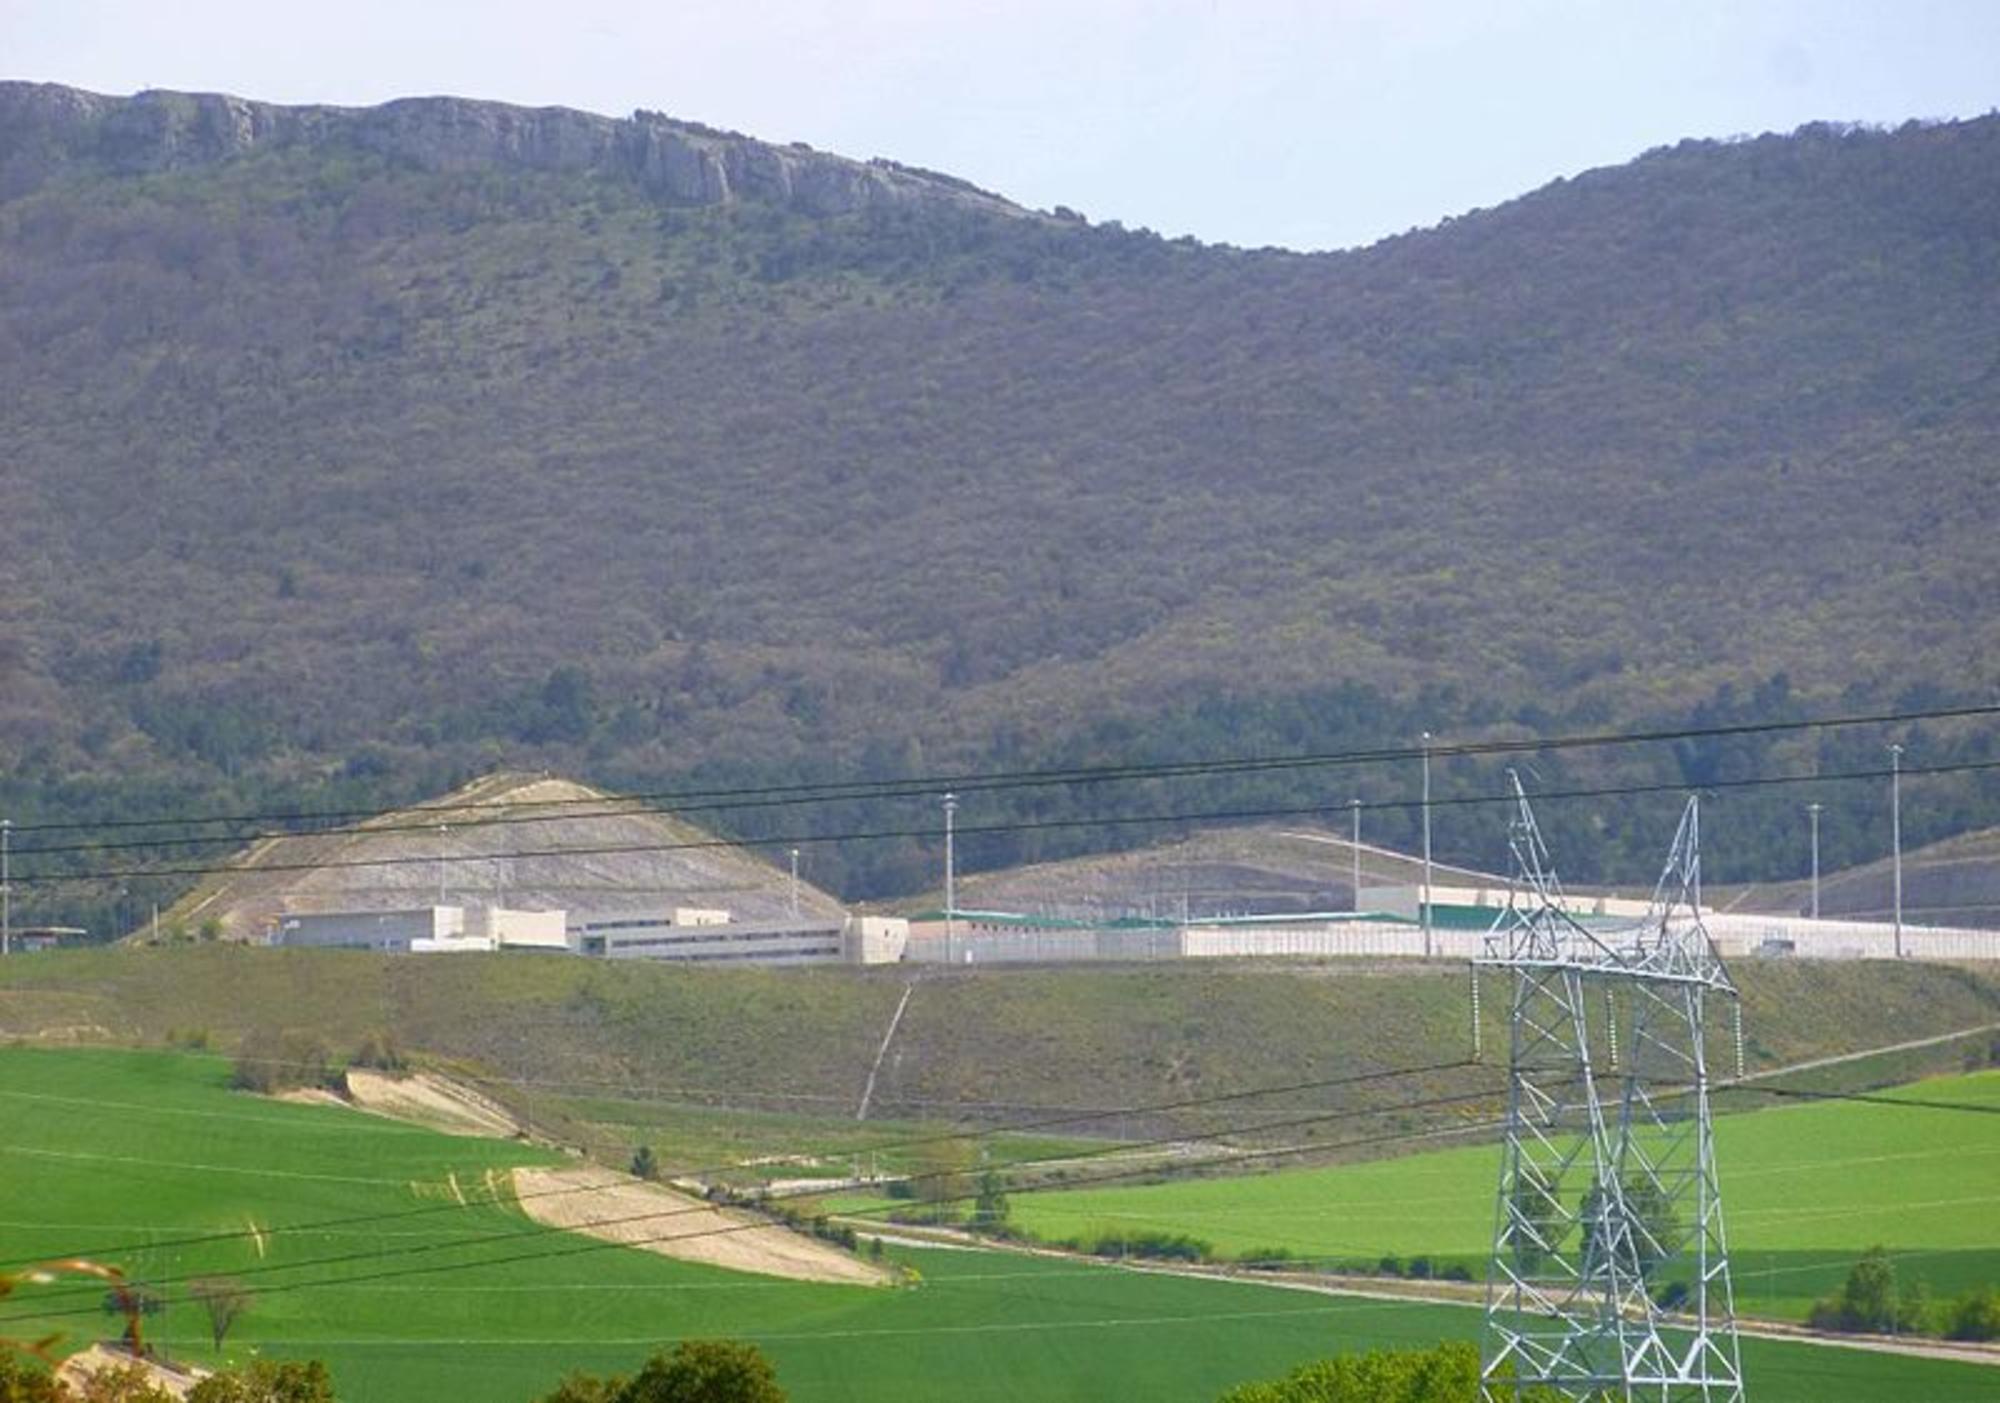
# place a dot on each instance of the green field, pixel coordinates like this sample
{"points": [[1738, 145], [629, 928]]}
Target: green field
{"points": [[1809, 1187], [118, 1153]]}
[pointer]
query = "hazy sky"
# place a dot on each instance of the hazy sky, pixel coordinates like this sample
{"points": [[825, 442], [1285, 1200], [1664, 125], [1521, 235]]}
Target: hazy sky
{"points": [[1312, 125]]}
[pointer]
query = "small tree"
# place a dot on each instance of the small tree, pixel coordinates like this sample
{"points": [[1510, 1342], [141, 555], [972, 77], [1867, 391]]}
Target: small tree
{"points": [[224, 1298], [943, 1181], [378, 1052], [1537, 1226], [1648, 1212], [1913, 1308], [645, 1165], [990, 1209], [1975, 1316], [1869, 1300], [705, 1371], [268, 1061]]}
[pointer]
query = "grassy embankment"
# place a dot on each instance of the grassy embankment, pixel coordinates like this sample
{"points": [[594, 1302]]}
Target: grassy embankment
{"points": [[126, 1154], [987, 1045]]}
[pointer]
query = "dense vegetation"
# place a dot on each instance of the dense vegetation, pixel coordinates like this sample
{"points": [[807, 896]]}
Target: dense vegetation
{"points": [[335, 480]]}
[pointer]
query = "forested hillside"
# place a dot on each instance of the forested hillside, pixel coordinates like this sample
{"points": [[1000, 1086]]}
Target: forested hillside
{"points": [[337, 473]]}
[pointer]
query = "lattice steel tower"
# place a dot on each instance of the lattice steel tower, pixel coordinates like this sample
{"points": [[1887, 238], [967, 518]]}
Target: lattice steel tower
{"points": [[1610, 1270]]}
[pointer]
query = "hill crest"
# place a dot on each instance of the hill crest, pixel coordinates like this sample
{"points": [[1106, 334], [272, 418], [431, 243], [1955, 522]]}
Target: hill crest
{"points": [[47, 127], [501, 841]]}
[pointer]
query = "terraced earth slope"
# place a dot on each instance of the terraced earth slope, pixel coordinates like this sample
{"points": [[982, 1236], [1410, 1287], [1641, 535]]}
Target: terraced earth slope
{"points": [[1955, 882], [525, 841], [1260, 868]]}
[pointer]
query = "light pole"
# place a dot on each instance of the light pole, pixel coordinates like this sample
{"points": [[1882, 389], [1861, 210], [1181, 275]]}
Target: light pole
{"points": [[950, 879], [795, 884], [441, 841], [1812, 812], [1425, 904], [1896, 834], [1355, 805], [6, 886]]}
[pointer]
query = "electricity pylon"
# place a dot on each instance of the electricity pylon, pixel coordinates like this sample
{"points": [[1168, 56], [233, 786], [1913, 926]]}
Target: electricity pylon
{"points": [[1610, 1271]]}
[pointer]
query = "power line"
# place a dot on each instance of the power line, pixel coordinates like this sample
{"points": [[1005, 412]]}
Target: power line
{"points": [[926, 786], [1018, 826]]}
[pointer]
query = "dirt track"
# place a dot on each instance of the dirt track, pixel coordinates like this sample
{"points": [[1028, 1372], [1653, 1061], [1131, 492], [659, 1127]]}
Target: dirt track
{"points": [[613, 1207]]}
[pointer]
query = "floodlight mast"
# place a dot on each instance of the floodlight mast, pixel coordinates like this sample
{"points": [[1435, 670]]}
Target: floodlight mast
{"points": [[1608, 1191]]}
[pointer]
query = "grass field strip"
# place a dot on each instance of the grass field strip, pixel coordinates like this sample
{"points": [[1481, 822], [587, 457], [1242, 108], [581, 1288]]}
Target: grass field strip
{"points": [[626, 1218], [246, 1233], [1040, 1163], [241, 1169], [1373, 1207], [313, 1124], [545, 1230], [1011, 1327], [773, 1283]]}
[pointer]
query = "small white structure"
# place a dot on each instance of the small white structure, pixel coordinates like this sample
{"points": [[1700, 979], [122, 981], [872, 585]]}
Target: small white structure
{"points": [[1403, 901], [519, 930], [874, 940], [425, 930]]}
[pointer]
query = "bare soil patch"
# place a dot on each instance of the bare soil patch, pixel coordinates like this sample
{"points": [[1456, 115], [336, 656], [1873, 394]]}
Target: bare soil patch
{"points": [[426, 1099], [614, 1207], [77, 1370]]}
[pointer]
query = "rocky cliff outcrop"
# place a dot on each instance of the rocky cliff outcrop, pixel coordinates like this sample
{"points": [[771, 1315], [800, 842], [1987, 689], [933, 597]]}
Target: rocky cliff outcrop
{"points": [[46, 128]]}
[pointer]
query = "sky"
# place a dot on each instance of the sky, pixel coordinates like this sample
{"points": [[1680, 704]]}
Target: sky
{"points": [[1253, 122]]}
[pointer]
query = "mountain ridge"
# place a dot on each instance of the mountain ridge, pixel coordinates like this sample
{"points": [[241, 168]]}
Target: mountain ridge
{"points": [[330, 469], [47, 126]]}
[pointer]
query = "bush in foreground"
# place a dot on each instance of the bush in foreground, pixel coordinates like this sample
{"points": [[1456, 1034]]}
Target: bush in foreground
{"points": [[698, 1371], [266, 1381], [1447, 1373]]}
